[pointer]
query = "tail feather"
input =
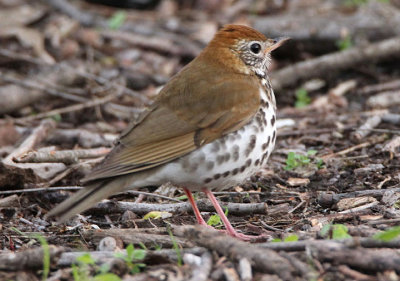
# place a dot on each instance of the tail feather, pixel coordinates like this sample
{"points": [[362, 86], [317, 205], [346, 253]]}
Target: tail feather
{"points": [[87, 197]]}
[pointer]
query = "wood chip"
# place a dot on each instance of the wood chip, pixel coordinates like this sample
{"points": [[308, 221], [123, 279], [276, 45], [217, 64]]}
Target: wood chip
{"points": [[348, 203], [298, 181]]}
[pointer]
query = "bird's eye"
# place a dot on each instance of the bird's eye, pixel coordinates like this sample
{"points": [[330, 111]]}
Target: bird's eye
{"points": [[255, 48]]}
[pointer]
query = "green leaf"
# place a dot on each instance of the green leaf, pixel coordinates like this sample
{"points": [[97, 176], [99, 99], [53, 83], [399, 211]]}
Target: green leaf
{"points": [[139, 254], [129, 251], [86, 258], [175, 246], [325, 230], [214, 220], [157, 215], [117, 20], [75, 273], [344, 43], [302, 98], [56, 117], [388, 235], [291, 238], [276, 240], [320, 163], [183, 197], [311, 152], [104, 268], [107, 277], [291, 161], [46, 255], [120, 255], [340, 231]]}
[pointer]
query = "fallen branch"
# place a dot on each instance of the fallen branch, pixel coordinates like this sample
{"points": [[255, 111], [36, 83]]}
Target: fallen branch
{"points": [[264, 260], [29, 259], [109, 206], [68, 258], [364, 259], [326, 64], [63, 156], [326, 199], [136, 236], [350, 243]]}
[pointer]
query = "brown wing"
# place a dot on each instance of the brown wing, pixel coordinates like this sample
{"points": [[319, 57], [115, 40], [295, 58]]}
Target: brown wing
{"points": [[181, 121]]}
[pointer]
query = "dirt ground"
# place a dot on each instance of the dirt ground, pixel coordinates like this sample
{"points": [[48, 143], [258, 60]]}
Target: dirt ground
{"points": [[74, 74]]}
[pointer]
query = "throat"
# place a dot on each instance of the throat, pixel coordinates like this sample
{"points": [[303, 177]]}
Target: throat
{"points": [[266, 91]]}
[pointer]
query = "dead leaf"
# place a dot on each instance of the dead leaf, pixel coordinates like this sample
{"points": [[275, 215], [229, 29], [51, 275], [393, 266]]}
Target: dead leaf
{"points": [[20, 15], [28, 37]]}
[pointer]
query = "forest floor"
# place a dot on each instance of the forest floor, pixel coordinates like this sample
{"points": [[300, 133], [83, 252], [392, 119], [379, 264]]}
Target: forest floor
{"points": [[74, 74]]}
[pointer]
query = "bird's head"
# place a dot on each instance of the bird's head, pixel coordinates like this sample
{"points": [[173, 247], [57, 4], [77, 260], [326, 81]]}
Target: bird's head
{"points": [[243, 49]]}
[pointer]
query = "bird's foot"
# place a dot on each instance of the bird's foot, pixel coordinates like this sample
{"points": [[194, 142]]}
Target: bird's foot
{"points": [[247, 238]]}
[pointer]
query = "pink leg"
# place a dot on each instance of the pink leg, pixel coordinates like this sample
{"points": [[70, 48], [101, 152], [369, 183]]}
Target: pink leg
{"points": [[196, 211], [229, 228]]}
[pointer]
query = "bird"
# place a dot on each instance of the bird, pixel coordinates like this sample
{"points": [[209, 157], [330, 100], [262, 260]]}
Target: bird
{"points": [[210, 128]]}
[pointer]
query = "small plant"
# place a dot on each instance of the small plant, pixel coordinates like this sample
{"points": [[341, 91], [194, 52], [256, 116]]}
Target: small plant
{"points": [[157, 215], [45, 247], [388, 235], [215, 220], [295, 160], [131, 257], [81, 270], [335, 231], [175, 246], [302, 98], [290, 238], [344, 43], [117, 20]]}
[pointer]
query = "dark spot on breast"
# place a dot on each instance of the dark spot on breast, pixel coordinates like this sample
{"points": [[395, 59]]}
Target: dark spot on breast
{"points": [[235, 152], [265, 157], [220, 159], [193, 167], [210, 165], [248, 162], [217, 176], [242, 168], [265, 145], [251, 145], [225, 174], [227, 157], [274, 136], [257, 162], [259, 119], [235, 171], [255, 129], [263, 102], [207, 180], [215, 147], [273, 120], [264, 120], [267, 104]]}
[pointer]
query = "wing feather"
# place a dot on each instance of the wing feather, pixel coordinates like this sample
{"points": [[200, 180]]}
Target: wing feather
{"points": [[181, 121]]}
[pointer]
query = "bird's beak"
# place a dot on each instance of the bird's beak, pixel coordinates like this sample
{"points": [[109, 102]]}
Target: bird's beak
{"points": [[277, 42]]}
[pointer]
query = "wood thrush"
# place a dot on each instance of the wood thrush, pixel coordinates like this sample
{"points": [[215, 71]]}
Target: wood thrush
{"points": [[211, 127]]}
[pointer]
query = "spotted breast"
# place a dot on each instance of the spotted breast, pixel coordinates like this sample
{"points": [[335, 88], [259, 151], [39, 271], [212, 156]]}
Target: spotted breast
{"points": [[230, 160]]}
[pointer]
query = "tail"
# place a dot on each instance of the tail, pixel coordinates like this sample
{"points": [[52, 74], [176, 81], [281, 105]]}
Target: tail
{"points": [[87, 197]]}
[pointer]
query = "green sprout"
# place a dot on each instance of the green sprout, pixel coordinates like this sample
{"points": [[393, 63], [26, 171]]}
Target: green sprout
{"points": [[302, 98]]}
